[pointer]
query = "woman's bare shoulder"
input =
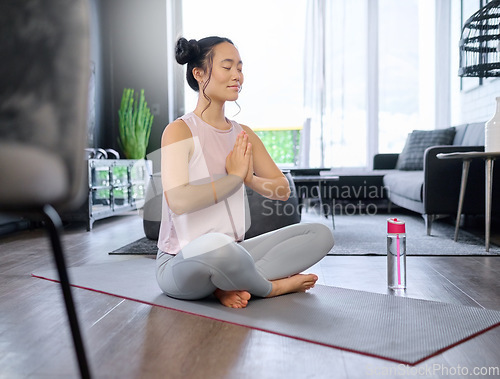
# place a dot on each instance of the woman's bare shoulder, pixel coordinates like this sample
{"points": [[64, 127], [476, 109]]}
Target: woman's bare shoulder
{"points": [[254, 138], [176, 131], [247, 129]]}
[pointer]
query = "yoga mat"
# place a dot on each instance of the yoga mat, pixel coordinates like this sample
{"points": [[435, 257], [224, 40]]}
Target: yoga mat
{"points": [[397, 329]]}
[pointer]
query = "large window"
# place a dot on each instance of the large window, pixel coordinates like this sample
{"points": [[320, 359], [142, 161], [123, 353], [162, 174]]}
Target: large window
{"points": [[406, 67], [271, 37], [346, 112]]}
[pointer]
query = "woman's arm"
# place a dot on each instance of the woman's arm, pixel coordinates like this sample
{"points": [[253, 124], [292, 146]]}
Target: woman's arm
{"points": [[268, 180], [183, 196]]}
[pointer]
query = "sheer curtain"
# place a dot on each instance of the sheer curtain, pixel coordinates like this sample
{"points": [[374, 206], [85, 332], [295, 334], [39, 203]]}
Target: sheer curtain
{"points": [[335, 82], [374, 70], [315, 86]]}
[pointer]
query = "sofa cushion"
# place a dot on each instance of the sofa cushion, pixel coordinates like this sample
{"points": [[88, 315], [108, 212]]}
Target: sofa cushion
{"points": [[459, 134], [412, 156], [407, 184], [474, 135]]}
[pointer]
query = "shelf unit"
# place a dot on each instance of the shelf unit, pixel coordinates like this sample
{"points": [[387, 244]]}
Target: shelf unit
{"points": [[115, 186]]}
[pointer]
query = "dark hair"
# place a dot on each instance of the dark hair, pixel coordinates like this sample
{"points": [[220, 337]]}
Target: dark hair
{"points": [[197, 54]]}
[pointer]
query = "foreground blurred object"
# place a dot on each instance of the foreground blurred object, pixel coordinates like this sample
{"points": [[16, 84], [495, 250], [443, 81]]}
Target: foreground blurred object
{"points": [[44, 79]]}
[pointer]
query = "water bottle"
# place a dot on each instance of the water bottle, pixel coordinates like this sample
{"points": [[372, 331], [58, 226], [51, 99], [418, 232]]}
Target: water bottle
{"points": [[396, 254]]}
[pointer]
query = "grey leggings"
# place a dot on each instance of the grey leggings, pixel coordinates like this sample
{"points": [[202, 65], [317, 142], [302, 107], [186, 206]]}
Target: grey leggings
{"points": [[214, 260]]}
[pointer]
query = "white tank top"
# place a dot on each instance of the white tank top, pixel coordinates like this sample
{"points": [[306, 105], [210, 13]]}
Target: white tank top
{"points": [[207, 163]]}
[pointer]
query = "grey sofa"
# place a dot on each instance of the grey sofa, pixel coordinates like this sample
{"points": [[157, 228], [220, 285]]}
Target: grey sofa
{"points": [[434, 190]]}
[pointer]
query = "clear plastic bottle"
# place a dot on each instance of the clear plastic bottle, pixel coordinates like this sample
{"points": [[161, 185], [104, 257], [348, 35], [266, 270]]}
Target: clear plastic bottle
{"points": [[396, 254]]}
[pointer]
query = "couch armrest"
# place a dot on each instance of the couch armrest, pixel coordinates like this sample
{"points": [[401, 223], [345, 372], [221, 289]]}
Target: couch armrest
{"points": [[442, 179], [385, 161]]}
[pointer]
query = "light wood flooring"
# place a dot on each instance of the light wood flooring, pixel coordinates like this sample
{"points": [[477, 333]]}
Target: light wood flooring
{"points": [[126, 339]]}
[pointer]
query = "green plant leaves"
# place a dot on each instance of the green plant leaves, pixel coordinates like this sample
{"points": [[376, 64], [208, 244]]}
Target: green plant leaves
{"points": [[135, 121]]}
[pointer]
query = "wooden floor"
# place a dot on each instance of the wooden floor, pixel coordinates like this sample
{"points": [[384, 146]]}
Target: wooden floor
{"points": [[126, 339]]}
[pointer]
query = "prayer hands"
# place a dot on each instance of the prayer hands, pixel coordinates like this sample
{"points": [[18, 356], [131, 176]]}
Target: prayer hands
{"points": [[248, 179], [239, 160]]}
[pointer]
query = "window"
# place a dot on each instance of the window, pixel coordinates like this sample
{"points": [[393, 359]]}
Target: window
{"points": [[270, 36], [406, 64], [346, 113]]}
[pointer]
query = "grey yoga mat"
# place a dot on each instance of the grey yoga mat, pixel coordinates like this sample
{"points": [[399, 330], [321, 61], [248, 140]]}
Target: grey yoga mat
{"points": [[397, 329]]}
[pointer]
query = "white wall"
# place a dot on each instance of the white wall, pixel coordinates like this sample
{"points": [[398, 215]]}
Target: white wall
{"points": [[478, 104], [474, 103]]}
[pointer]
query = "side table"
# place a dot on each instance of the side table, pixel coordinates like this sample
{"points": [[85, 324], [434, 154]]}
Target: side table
{"points": [[307, 184], [466, 158]]}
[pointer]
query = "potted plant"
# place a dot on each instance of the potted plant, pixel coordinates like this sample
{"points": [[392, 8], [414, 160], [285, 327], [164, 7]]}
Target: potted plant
{"points": [[135, 120]]}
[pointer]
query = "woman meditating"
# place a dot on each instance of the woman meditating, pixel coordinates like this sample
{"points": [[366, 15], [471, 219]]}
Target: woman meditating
{"points": [[206, 160]]}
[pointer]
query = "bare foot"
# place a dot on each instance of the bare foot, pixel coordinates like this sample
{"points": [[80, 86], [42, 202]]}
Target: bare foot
{"points": [[295, 283], [233, 299]]}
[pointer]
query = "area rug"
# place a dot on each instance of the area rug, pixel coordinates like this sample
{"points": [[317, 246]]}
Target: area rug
{"points": [[397, 329], [366, 235], [143, 246]]}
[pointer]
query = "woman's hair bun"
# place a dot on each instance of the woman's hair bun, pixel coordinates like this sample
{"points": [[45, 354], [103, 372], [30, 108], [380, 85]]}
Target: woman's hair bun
{"points": [[186, 51]]}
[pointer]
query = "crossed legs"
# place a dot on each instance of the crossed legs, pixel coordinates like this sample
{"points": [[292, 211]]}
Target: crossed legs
{"points": [[265, 266]]}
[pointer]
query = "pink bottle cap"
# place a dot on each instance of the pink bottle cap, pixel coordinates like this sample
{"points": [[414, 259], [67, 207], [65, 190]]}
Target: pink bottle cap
{"points": [[395, 226]]}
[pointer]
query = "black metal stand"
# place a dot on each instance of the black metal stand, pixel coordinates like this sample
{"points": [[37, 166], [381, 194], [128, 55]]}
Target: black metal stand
{"points": [[54, 226]]}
